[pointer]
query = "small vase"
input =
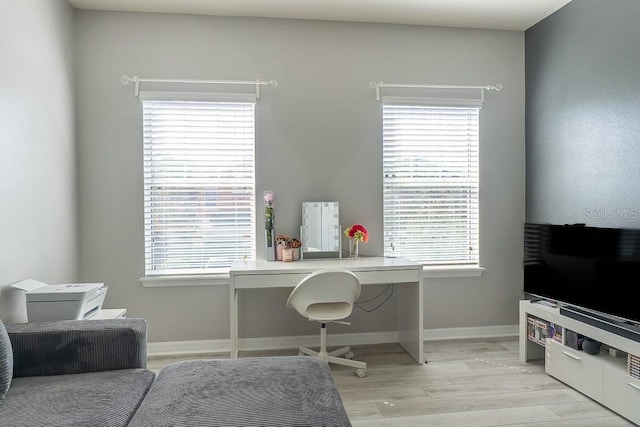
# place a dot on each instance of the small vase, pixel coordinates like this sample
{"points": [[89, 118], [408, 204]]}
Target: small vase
{"points": [[353, 248]]}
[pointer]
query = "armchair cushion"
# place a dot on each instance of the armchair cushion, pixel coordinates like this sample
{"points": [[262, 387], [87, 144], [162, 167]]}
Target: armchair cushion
{"points": [[6, 361], [77, 346], [95, 399]]}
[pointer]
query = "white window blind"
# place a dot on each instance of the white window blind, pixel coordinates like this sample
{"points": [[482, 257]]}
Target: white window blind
{"points": [[430, 170], [199, 185]]}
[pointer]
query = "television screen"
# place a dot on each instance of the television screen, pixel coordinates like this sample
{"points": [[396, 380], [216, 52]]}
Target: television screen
{"points": [[587, 267]]}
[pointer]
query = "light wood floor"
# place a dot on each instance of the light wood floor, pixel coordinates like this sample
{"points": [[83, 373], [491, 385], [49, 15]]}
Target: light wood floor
{"points": [[471, 382]]}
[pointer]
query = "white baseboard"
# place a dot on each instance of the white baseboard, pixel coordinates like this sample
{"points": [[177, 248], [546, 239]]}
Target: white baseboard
{"points": [[178, 348]]}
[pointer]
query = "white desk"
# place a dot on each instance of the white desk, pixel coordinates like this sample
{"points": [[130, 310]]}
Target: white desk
{"points": [[406, 275]]}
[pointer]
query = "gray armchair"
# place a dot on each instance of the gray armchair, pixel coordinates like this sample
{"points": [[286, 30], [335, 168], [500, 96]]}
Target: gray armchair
{"points": [[76, 373], [92, 374]]}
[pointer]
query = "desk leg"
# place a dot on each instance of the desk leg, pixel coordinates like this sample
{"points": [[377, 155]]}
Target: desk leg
{"points": [[233, 322], [410, 319]]}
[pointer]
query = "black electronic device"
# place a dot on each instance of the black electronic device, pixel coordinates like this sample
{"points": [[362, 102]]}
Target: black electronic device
{"points": [[592, 270], [573, 340]]}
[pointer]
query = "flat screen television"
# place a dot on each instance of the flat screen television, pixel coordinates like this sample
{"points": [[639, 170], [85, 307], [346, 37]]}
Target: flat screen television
{"points": [[585, 269]]}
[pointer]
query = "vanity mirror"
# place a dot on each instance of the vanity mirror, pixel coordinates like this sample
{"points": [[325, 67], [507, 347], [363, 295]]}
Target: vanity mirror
{"points": [[320, 230]]}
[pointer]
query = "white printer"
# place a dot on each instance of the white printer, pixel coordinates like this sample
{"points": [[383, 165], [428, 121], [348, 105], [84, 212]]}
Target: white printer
{"points": [[68, 301]]}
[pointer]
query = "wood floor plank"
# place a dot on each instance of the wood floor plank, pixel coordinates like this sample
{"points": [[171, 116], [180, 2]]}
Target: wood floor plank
{"points": [[461, 357], [446, 368], [474, 403], [576, 394], [347, 383], [482, 418], [613, 421], [363, 411], [496, 385], [511, 344], [483, 363], [492, 375], [585, 409], [382, 394]]}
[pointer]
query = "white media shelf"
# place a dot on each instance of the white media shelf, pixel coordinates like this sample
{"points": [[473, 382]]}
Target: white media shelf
{"points": [[601, 377], [110, 313]]}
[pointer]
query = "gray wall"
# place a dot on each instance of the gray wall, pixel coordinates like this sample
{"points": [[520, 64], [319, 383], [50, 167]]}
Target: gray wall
{"points": [[583, 115], [318, 138], [38, 219]]}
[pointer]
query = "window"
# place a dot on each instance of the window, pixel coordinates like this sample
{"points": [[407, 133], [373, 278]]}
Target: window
{"points": [[199, 184], [430, 173]]}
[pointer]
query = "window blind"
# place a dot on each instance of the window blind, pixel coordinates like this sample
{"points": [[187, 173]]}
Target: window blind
{"points": [[199, 185], [430, 173]]}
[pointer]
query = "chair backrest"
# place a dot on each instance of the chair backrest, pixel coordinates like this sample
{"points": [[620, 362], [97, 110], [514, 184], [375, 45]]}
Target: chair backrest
{"points": [[325, 295]]}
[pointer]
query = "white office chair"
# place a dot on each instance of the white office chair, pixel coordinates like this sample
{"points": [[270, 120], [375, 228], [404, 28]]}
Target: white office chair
{"points": [[328, 296]]}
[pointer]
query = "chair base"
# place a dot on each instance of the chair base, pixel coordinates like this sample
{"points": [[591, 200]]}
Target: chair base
{"points": [[333, 356]]}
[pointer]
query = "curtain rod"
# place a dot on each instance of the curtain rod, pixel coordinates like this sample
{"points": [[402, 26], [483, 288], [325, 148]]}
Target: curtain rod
{"points": [[137, 80], [377, 85]]}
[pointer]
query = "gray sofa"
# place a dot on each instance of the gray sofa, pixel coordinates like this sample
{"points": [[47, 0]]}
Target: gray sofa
{"points": [[93, 373]]}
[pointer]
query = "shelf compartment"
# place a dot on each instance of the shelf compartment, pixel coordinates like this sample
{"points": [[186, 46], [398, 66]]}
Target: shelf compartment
{"points": [[536, 330]]}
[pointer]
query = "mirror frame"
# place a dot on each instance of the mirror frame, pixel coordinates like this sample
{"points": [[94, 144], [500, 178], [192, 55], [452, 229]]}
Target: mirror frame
{"points": [[329, 212]]}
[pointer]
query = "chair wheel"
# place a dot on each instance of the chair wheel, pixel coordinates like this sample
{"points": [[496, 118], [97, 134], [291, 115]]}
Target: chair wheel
{"points": [[348, 355], [361, 373]]}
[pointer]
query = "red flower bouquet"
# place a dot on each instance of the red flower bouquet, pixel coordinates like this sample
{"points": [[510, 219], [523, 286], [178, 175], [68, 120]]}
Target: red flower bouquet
{"points": [[357, 232]]}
